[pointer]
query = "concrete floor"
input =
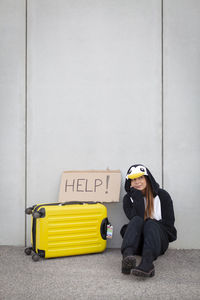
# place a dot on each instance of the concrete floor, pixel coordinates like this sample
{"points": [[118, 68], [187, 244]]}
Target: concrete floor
{"points": [[97, 276]]}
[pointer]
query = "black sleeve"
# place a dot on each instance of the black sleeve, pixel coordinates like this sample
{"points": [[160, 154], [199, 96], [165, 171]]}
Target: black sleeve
{"points": [[168, 217], [133, 204], [128, 207], [167, 208]]}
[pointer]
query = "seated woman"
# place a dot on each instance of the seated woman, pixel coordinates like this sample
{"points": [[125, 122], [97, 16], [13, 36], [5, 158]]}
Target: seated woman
{"points": [[151, 227]]}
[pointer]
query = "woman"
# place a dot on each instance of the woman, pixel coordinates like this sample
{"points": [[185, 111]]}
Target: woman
{"points": [[150, 211]]}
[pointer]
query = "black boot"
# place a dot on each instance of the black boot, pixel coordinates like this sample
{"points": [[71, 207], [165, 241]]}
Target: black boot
{"points": [[146, 267], [128, 262]]}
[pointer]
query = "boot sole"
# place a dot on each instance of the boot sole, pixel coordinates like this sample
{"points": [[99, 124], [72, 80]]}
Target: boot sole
{"points": [[128, 263], [141, 273]]}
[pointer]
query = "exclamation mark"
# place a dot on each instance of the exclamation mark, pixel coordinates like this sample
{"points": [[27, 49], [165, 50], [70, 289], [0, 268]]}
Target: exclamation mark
{"points": [[107, 181]]}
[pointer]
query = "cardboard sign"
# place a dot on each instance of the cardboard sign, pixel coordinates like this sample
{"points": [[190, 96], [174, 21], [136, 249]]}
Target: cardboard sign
{"points": [[85, 186]]}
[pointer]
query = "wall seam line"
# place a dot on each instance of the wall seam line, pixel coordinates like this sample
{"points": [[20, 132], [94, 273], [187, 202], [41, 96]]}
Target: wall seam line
{"points": [[162, 89], [26, 121]]}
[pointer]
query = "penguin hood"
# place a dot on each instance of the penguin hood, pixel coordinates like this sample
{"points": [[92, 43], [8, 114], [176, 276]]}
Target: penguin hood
{"points": [[139, 170]]}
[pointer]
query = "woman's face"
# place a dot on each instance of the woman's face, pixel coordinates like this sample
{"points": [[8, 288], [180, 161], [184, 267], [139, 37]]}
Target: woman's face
{"points": [[139, 183]]}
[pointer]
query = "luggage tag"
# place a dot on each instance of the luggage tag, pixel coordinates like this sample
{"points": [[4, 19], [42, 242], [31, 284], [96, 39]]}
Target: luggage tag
{"points": [[109, 233]]}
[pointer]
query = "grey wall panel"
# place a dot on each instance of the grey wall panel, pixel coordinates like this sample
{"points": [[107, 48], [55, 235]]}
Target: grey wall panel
{"points": [[94, 92], [94, 101], [12, 99], [181, 116]]}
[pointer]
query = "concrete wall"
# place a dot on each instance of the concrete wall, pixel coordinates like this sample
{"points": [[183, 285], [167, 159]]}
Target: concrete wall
{"points": [[181, 115], [94, 100], [12, 122]]}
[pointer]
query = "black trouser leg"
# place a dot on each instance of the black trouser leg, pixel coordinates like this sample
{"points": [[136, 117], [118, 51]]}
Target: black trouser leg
{"points": [[155, 239], [155, 243], [131, 244], [132, 239]]}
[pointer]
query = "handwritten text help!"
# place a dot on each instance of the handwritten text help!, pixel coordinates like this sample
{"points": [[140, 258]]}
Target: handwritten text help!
{"points": [[99, 186]]}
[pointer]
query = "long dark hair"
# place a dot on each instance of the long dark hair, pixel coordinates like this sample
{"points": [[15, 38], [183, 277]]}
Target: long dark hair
{"points": [[149, 200]]}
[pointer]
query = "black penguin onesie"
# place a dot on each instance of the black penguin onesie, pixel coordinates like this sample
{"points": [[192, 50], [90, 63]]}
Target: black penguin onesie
{"points": [[150, 237]]}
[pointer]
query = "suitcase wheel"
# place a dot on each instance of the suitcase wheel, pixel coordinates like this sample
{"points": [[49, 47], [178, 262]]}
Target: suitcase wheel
{"points": [[36, 215], [28, 251], [28, 211], [39, 214], [35, 257]]}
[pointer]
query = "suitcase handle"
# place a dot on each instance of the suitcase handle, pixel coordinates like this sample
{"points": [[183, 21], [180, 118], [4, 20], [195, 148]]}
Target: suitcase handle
{"points": [[103, 229], [77, 202], [70, 203]]}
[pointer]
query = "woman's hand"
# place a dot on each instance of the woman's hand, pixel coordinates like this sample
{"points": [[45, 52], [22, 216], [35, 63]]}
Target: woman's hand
{"points": [[136, 194]]}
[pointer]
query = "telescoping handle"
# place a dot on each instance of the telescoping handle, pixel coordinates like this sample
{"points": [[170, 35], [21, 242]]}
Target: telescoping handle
{"points": [[77, 202]]}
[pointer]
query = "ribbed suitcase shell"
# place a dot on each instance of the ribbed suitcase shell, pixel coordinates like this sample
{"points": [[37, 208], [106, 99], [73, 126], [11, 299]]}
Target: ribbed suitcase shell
{"points": [[69, 230]]}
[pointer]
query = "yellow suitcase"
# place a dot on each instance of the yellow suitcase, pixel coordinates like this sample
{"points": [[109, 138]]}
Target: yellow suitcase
{"points": [[65, 229]]}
